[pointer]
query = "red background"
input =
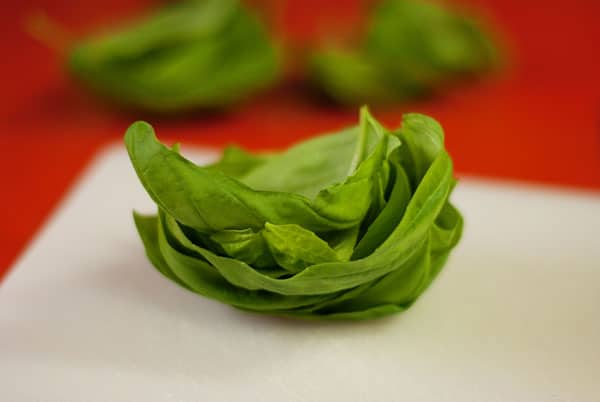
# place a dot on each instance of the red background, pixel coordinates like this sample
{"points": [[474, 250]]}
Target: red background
{"points": [[539, 121]]}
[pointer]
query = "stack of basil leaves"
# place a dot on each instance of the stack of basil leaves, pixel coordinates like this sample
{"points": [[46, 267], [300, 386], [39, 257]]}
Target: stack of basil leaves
{"points": [[354, 224], [191, 54]]}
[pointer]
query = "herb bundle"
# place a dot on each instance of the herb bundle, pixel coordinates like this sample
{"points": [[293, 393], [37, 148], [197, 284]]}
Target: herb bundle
{"points": [[353, 224]]}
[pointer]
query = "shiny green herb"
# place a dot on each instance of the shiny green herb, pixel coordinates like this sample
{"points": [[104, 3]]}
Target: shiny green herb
{"points": [[348, 225]]}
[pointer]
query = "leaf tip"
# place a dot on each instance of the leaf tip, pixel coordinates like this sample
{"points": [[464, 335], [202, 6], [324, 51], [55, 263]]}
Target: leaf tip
{"points": [[422, 123], [137, 132]]}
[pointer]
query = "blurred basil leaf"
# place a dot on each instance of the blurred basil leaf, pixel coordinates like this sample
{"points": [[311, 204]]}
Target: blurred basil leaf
{"points": [[187, 55], [410, 48]]}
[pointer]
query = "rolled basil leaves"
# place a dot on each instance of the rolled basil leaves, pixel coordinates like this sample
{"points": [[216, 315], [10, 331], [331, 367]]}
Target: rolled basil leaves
{"points": [[353, 224]]}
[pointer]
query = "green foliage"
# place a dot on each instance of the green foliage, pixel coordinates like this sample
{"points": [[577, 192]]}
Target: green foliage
{"points": [[190, 54], [410, 48], [352, 225]]}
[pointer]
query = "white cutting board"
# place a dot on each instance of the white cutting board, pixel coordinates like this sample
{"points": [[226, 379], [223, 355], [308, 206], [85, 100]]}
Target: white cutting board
{"points": [[514, 316]]}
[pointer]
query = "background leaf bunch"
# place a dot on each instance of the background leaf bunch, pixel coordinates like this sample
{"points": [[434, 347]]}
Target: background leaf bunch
{"points": [[206, 54]]}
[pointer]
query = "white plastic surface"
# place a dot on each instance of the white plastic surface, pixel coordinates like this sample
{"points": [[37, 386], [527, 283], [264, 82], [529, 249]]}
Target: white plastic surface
{"points": [[514, 316]]}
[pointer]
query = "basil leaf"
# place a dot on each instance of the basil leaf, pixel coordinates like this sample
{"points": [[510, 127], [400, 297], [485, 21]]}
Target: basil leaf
{"points": [[388, 219], [147, 229], [245, 245], [197, 196], [422, 139], [190, 54], [409, 49], [237, 163], [295, 248], [342, 242]]}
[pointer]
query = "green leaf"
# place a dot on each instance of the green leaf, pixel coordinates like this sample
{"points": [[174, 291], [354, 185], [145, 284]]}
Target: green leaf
{"points": [[348, 77], [147, 229], [311, 166], [388, 219], [295, 248], [409, 48], [237, 163], [196, 196], [397, 287], [245, 245], [447, 229], [308, 167], [342, 242], [191, 54], [423, 139]]}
